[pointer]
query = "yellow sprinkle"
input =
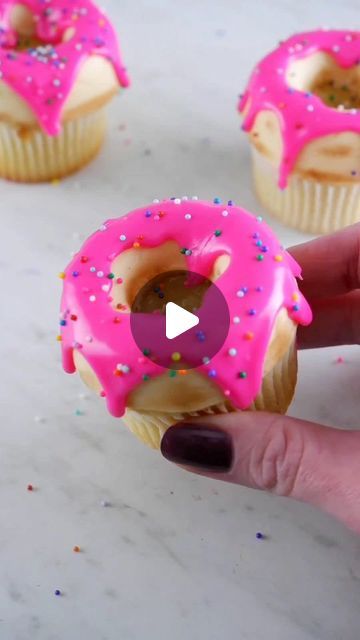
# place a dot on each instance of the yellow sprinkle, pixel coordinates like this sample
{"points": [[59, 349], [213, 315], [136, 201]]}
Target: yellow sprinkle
{"points": [[55, 182], [62, 275], [296, 297], [59, 338], [278, 258], [176, 356]]}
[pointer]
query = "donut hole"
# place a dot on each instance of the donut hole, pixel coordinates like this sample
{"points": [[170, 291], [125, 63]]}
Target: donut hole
{"points": [[319, 74], [161, 269], [23, 31]]}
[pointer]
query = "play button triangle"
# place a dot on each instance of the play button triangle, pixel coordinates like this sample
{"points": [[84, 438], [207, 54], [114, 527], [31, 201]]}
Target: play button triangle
{"points": [[178, 320]]}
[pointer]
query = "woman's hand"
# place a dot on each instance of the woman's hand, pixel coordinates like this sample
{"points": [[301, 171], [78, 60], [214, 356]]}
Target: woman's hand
{"points": [[290, 457]]}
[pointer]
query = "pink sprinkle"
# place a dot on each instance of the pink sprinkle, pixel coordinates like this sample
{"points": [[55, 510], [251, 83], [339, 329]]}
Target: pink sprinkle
{"points": [[103, 394], [340, 360]]}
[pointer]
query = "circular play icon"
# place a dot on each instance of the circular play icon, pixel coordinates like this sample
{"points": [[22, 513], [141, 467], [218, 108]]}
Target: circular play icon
{"points": [[180, 320]]}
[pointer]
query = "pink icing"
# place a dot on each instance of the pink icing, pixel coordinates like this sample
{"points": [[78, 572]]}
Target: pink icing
{"points": [[303, 116], [256, 289], [44, 76]]}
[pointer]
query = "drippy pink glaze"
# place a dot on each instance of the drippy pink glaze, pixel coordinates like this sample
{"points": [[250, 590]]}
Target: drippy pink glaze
{"points": [[255, 290], [302, 116], [45, 75]]}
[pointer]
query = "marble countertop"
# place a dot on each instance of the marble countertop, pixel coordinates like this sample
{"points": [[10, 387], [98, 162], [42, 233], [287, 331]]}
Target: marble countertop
{"points": [[175, 555]]}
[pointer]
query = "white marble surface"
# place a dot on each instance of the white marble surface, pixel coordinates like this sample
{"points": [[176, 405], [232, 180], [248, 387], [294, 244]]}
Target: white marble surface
{"points": [[176, 555]]}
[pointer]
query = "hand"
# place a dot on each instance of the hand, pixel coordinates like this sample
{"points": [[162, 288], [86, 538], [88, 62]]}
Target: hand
{"points": [[290, 457]]}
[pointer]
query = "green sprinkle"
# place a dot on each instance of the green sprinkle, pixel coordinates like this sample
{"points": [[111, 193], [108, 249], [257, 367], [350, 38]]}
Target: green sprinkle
{"points": [[217, 233], [260, 257], [172, 374], [243, 375], [111, 276], [146, 352], [146, 377]]}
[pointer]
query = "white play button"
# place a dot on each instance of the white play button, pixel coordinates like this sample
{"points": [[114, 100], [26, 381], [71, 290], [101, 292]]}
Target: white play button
{"points": [[178, 320]]}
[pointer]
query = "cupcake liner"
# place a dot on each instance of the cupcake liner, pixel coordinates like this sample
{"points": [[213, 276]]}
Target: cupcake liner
{"points": [[33, 156], [308, 205], [276, 395]]}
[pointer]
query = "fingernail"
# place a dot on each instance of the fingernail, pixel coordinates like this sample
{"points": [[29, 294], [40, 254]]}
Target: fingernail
{"points": [[198, 446]]}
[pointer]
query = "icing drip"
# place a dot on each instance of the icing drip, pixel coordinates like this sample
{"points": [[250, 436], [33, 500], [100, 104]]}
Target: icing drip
{"points": [[255, 290]]}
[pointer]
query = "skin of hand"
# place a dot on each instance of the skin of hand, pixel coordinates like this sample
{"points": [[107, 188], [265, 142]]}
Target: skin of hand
{"points": [[289, 457]]}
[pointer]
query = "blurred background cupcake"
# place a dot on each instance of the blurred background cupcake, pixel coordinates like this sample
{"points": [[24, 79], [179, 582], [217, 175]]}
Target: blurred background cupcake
{"points": [[301, 110], [60, 66]]}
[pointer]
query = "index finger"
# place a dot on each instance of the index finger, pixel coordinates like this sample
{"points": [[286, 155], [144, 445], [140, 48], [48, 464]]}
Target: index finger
{"points": [[330, 264]]}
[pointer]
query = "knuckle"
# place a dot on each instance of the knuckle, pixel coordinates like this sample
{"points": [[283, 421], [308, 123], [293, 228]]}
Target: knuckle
{"points": [[275, 462]]}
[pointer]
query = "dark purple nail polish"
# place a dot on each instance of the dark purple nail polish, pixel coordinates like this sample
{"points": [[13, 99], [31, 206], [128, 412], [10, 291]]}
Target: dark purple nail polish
{"points": [[198, 446]]}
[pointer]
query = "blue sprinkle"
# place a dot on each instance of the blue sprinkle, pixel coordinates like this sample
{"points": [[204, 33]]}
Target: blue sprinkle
{"points": [[245, 289], [148, 214], [57, 592], [161, 295], [264, 248], [259, 289], [258, 243], [252, 312], [296, 307], [217, 201], [260, 536], [212, 373], [201, 336], [230, 203], [256, 235], [76, 274], [63, 323]]}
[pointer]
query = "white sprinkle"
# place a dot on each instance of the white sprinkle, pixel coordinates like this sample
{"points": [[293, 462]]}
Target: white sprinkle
{"points": [[56, 82], [310, 107], [185, 198], [103, 227], [188, 216], [156, 200], [240, 294], [177, 201], [236, 320], [336, 48], [194, 198], [88, 338], [92, 269], [92, 298], [225, 214], [348, 37], [106, 288], [232, 352], [100, 274], [206, 360], [122, 238]]}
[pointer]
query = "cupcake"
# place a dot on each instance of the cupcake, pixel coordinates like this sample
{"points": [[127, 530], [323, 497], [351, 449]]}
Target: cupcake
{"points": [[59, 67], [242, 353], [301, 111]]}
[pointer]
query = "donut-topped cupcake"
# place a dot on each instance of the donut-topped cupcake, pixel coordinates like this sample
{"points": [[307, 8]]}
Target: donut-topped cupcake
{"points": [[301, 110], [60, 65], [152, 386]]}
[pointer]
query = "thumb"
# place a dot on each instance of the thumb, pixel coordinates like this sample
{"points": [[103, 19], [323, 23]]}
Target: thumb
{"points": [[288, 457]]}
